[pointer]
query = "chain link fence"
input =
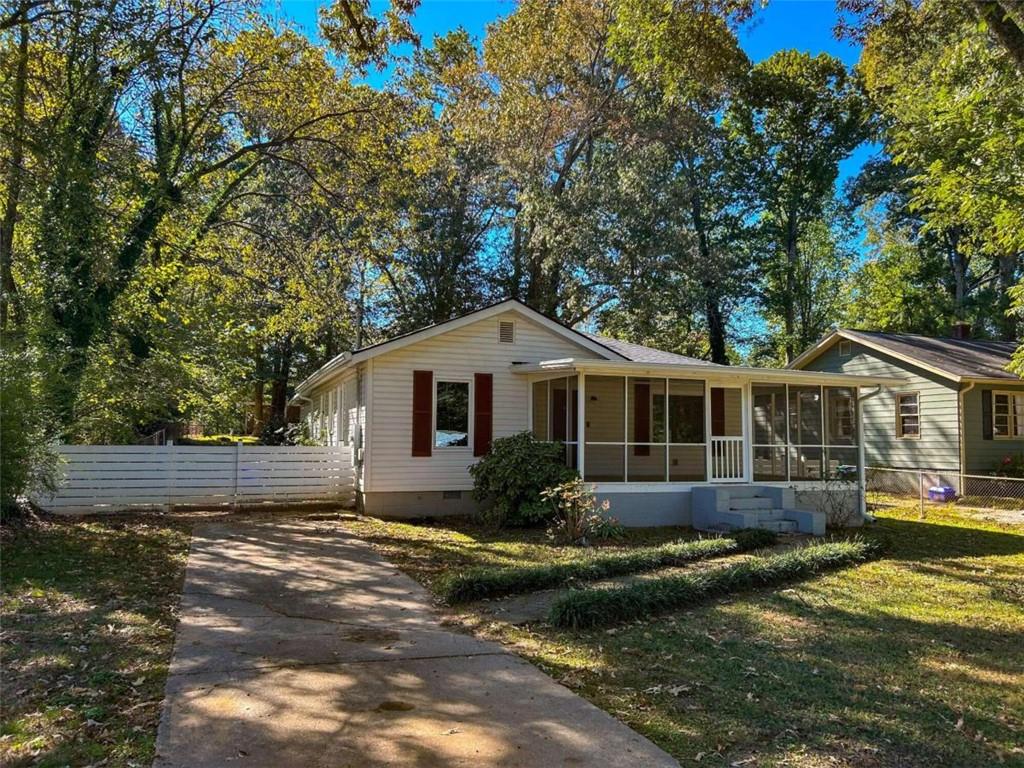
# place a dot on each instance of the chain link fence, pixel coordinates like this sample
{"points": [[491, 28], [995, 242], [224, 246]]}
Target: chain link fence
{"points": [[885, 486]]}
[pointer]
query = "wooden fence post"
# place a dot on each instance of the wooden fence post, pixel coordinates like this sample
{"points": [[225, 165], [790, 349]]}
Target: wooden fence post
{"points": [[170, 475], [238, 458]]}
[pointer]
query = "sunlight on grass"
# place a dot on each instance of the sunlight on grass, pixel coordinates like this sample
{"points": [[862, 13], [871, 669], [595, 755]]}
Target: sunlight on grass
{"points": [[88, 629], [912, 660]]}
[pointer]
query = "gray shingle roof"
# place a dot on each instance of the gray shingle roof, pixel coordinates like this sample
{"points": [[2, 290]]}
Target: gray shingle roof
{"points": [[964, 358], [640, 354]]}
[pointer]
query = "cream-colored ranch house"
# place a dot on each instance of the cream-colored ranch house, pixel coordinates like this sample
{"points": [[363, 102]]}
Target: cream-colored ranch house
{"points": [[667, 439]]}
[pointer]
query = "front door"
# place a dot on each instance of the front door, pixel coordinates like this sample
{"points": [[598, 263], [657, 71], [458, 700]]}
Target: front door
{"points": [[725, 449]]}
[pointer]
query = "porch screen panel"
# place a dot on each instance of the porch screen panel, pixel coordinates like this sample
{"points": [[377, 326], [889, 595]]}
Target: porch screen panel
{"points": [[770, 454], [605, 463], [605, 411], [559, 410], [841, 416], [645, 467], [604, 429], [540, 410], [686, 412], [687, 463], [805, 462], [645, 419], [806, 454], [805, 415], [841, 463]]}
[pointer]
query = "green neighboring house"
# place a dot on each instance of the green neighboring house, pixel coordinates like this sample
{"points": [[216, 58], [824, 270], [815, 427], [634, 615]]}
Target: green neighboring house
{"points": [[960, 411]]}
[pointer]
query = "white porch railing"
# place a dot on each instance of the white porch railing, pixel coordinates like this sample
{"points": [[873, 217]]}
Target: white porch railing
{"points": [[727, 459]]}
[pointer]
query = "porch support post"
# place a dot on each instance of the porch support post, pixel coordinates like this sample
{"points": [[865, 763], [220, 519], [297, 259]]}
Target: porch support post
{"points": [[708, 463], [747, 415], [861, 473], [581, 428]]}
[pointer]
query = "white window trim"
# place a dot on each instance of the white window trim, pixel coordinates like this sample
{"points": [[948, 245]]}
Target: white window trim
{"points": [[1012, 425], [438, 380], [899, 416]]}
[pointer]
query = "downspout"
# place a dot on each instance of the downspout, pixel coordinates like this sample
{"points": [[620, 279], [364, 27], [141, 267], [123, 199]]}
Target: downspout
{"points": [[860, 451], [962, 424]]}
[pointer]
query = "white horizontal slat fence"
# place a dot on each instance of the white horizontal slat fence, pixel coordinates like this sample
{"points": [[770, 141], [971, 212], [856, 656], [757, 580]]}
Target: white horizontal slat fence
{"points": [[105, 478]]}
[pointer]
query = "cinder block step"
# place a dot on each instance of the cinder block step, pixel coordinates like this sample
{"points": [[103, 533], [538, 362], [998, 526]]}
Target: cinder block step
{"points": [[771, 514], [779, 526], [750, 502]]}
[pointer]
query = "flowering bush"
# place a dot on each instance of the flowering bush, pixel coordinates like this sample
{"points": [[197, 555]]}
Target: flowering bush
{"points": [[577, 519], [1012, 465]]}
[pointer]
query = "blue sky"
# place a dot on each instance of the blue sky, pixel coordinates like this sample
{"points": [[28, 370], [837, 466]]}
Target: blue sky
{"points": [[802, 24]]}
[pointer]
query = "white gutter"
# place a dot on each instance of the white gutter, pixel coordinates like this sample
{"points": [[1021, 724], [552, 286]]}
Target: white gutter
{"points": [[860, 451], [962, 424], [697, 371]]}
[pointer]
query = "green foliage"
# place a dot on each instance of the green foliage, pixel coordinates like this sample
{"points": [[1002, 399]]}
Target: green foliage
{"points": [[576, 511], [1011, 465], [754, 538], [513, 475], [27, 462], [587, 608], [488, 582]]}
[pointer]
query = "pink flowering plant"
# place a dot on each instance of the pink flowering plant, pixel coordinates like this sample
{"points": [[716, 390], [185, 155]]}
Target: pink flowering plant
{"points": [[577, 514], [1012, 465]]}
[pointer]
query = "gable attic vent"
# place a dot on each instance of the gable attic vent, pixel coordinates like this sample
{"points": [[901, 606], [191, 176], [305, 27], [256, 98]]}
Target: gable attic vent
{"points": [[845, 348], [506, 332]]}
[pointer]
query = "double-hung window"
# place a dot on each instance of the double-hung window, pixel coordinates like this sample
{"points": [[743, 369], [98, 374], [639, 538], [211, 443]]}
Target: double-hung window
{"points": [[451, 414], [1007, 415], [908, 415]]}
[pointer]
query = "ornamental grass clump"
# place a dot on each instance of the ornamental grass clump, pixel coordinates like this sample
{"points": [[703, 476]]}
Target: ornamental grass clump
{"points": [[490, 582], [586, 608]]}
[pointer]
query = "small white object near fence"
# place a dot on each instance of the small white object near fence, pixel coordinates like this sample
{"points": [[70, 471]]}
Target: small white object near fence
{"points": [[106, 478]]}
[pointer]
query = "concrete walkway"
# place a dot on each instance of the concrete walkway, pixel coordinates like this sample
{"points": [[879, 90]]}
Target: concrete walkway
{"points": [[299, 646]]}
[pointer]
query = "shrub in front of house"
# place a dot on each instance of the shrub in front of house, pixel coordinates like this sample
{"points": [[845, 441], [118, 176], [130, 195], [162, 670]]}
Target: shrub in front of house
{"points": [[587, 608], [491, 582], [509, 480], [577, 513]]}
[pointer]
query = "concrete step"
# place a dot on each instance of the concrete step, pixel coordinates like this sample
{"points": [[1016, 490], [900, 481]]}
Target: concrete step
{"points": [[771, 514], [750, 502], [779, 526]]}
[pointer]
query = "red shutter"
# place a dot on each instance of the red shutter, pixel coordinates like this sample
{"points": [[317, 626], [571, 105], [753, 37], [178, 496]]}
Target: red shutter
{"points": [[483, 416], [642, 418], [422, 412], [558, 406]]}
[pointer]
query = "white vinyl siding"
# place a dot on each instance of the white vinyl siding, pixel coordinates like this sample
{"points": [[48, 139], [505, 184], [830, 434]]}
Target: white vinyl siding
{"points": [[454, 355]]}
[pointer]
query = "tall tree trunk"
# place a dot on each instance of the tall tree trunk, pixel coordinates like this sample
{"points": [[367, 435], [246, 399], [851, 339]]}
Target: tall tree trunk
{"points": [[10, 302], [712, 305], [279, 384], [789, 300], [1009, 266], [259, 416]]}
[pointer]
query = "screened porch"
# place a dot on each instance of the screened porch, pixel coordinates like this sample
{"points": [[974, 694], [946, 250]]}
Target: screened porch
{"points": [[665, 429]]}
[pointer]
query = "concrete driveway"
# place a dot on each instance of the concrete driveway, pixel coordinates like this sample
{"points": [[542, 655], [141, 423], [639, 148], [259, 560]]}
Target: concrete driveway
{"points": [[299, 646]]}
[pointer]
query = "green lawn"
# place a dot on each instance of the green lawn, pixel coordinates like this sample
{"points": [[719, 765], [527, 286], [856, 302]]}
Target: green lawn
{"points": [[913, 660], [88, 626]]}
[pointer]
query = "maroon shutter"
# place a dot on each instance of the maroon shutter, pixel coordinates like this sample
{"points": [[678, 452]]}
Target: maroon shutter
{"points": [[558, 406], [422, 412], [642, 418], [483, 416]]}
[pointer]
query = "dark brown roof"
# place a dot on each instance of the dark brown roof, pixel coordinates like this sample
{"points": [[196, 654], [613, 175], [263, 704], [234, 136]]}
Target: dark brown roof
{"points": [[640, 354], [961, 358]]}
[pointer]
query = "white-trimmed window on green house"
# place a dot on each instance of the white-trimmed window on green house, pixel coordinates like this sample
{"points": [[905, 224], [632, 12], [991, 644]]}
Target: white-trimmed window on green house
{"points": [[1007, 415], [908, 415]]}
